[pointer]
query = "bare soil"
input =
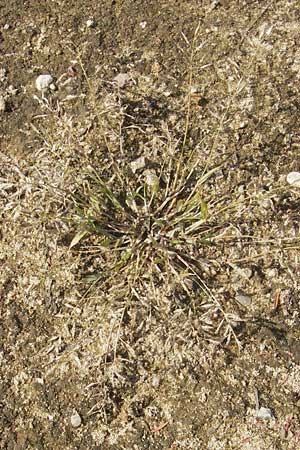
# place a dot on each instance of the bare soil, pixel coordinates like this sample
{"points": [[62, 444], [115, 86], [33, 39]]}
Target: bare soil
{"points": [[154, 372]]}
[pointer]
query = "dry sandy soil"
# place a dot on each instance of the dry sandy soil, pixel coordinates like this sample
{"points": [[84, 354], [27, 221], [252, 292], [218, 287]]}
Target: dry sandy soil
{"points": [[178, 338]]}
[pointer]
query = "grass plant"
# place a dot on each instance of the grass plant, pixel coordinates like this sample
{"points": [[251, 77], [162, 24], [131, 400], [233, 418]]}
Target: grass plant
{"points": [[148, 228]]}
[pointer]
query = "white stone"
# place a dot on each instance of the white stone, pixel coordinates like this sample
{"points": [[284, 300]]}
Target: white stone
{"points": [[293, 178], [243, 299], [12, 90], [2, 74], [151, 178], [75, 420], [215, 3], [156, 381], [138, 164], [2, 104], [121, 80], [43, 82], [264, 413], [90, 23]]}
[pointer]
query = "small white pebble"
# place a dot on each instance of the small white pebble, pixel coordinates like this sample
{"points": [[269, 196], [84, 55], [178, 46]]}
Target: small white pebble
{"points": [[43, 82], [156, 381], [244, 299], [151, 178], [90, 23], [2, 74], [138, 164], [143, 24], [6, 27], [215, 3], [264, 413], [293, 178], [2, 104], [12, 90], [121, 80], [75, 420], [271, 273]]}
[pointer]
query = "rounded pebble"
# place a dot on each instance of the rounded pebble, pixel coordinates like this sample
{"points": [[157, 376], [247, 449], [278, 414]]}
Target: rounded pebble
{"points": [[293, 178], [243, 299], [121, 80], [43, 82], [156, 381], [90, 23], [2, 104], [264, 413], [138, 164], [76, 420], [151, 178]]}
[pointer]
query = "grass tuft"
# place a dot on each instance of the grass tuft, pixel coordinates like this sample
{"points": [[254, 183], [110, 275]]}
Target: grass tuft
{"points": [[149, 228]]}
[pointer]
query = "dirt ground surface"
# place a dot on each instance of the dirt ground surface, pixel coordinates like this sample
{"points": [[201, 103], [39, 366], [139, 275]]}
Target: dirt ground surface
{"points": [[93, 361]]}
